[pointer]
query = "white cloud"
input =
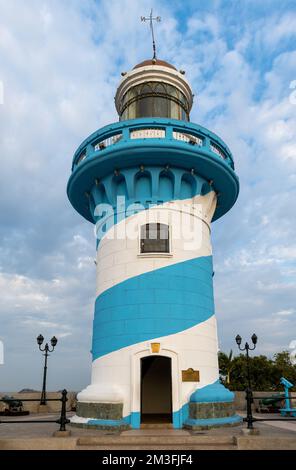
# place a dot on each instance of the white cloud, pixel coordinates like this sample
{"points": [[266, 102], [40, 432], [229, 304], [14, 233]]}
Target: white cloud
{"points": [[207, 24], [64, 335], [43, 324], [277, 29], [287, 312]]}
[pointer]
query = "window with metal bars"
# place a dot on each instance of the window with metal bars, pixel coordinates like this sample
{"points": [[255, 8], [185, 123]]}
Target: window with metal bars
{"points": [[154, 99], [155, 238]]}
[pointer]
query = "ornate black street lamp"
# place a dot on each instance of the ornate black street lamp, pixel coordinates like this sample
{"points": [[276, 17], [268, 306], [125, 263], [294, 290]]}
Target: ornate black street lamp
{"points": [[249, 393], [46, 350]]}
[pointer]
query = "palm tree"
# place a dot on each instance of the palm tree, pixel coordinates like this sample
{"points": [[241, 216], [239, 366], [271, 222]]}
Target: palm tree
{"points": [[226, 364]]}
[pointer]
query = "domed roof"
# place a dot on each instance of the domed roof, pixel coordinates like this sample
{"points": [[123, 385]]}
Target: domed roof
{"points": [[162, 63]]}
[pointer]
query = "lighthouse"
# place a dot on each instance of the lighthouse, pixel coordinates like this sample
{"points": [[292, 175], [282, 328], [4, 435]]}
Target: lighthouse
{"points": [[151, 185]]}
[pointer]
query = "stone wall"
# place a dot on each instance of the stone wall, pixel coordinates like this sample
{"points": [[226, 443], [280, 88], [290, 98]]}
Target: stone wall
{"points": [[32, 406]]}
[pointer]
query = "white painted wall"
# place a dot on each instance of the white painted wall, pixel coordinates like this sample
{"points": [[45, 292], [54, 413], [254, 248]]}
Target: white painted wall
{"points": [[118, 259], [116, 376]]}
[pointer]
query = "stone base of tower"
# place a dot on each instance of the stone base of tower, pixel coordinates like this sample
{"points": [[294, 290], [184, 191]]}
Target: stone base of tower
{"points": [[211, 406], [205, 415], [100, 416], [100, 406]]}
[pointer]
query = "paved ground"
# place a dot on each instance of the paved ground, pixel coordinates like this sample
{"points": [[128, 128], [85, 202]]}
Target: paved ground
{"points": [[269, 428], [278, 425]]}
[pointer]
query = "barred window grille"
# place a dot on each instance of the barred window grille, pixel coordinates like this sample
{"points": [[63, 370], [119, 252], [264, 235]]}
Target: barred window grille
{"points": [[185, 137], [218, 151], [155, 238], [107, 142], [154, 99], [151, 133], [81, 158]]}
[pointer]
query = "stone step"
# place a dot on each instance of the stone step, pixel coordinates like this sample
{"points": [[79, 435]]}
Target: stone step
{"points": [[156, 426], [158, 447], [155, 440], [72, 443], [158, 432]]}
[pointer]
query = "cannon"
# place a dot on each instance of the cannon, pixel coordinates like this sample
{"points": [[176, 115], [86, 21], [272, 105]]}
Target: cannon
{"points": [[278, 403], [14, 407], [271, 404]]}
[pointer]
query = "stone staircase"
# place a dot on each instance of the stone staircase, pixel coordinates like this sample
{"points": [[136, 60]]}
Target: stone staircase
{"points": [[157, 426], [156, 439]]}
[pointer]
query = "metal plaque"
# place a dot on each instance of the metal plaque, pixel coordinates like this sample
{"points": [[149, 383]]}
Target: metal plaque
{"points": [[190, 375]]}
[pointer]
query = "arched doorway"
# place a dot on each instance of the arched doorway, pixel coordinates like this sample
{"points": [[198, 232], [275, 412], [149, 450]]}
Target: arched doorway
{"points": [[156, 389]]}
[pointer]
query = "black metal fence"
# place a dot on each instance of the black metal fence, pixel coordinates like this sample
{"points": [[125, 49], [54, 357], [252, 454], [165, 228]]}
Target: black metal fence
{"points": [[249, 419], [62, 421]]}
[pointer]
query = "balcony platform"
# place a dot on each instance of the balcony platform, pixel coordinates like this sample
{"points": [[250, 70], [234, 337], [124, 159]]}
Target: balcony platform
{"points": [[154, 142]]}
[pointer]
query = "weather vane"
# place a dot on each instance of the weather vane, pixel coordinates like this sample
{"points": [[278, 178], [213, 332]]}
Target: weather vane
{"points": [[151, 19]]}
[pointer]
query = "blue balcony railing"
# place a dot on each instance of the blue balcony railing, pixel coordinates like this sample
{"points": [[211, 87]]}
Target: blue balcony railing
{"points": [[126, 133]]}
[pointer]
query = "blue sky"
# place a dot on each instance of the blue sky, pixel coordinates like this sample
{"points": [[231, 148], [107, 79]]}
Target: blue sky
{"points": [[60, 63]]}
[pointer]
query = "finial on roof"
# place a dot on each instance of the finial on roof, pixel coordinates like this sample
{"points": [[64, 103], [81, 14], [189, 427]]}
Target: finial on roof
{"points": [[151, 19]]}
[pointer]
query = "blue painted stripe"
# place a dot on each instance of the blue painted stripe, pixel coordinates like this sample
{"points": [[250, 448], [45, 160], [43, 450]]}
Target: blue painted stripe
{"points": [[154, 304], [180, 416], [109, 422], [133, 419], [212, 393]]}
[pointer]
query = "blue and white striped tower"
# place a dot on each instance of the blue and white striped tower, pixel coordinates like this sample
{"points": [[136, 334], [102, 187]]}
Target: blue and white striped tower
{"points": [[152, 183]]}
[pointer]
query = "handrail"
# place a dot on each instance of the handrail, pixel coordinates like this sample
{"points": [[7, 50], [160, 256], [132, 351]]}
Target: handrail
{"points": [[250, 419], [271, 396], [121, 133], [62, 421]]}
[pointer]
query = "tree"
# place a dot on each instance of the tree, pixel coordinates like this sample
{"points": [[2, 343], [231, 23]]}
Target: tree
{"points": [[226, 365], [233, 370], [261, 369], [283, 367], [265, 373]]}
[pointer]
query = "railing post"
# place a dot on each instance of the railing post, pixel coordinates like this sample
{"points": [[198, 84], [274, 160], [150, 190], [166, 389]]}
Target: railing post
{"points": [[249, 419], [63, 418], [169, 132], [89, 149], [125, 133]]}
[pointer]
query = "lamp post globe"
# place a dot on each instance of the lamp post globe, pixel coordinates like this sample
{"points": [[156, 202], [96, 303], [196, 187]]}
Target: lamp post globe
{"points": [[53, 341], [40, 340], [254, 339], [238, 340]]}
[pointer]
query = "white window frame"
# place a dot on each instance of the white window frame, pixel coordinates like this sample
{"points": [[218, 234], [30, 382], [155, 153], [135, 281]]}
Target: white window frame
{"points": [[156, 254]]}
